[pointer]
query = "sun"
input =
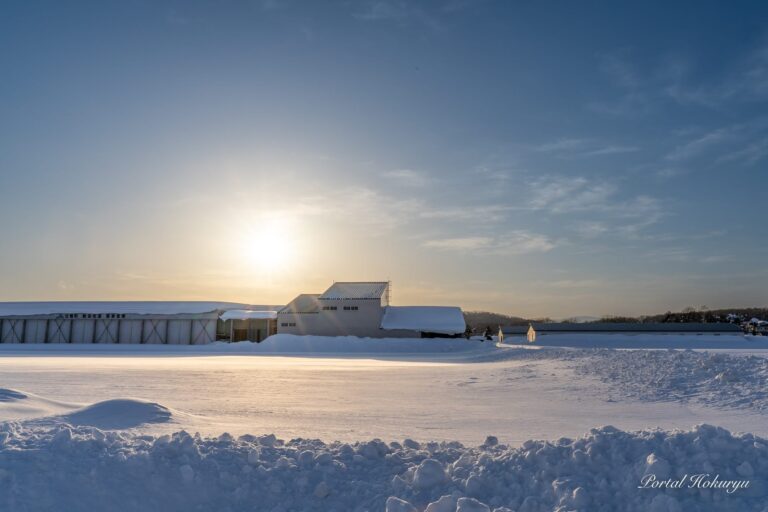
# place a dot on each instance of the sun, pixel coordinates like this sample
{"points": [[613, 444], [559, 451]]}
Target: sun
{"points": [[270, 245]]}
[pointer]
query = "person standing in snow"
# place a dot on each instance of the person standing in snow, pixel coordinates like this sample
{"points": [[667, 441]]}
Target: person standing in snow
{"points": [[488, 333]]}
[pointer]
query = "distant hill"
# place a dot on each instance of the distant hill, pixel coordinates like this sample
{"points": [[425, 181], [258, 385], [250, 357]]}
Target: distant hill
{"points": [[581, 319], [479, 320]]}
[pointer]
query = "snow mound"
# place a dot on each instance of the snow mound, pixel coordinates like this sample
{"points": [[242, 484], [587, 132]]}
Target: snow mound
{"points": [[120, 413], [82, 468], [11, 395]]}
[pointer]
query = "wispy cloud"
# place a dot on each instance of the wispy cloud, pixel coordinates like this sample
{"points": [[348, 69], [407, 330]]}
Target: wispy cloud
{"points": [[611, 150], [749, 155], [601, 210], [563, 144], [670, 172], [583, 147], [746, 80], [701, 144], [635, 96], [483, 212], [511, 243], [407, 177], [576, 283], [398, 11], [559, 194], [591, 229]]}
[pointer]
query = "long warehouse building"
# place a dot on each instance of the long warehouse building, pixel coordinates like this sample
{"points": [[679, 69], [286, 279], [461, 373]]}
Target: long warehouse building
{"points": [[175, 323]]}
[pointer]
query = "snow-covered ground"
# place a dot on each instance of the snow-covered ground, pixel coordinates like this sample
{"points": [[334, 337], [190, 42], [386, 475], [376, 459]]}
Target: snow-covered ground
{"points": [[86, 422]]}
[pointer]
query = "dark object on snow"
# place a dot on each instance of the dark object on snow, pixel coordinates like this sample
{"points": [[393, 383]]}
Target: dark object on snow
{"points": [[488, 333]]}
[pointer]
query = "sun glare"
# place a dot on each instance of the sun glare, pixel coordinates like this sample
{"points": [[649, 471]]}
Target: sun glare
{"points": [[270, 246]]}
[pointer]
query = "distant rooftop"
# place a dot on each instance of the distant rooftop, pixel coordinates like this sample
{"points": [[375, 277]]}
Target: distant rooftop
{"points": [[121, 307], [247, 314], [355, 290], [439, 319]]}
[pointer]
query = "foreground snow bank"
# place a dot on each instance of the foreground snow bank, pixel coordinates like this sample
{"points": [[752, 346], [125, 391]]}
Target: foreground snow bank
{"points": [[83, 469]]}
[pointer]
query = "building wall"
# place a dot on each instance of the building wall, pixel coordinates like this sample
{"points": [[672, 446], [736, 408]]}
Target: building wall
{"points": [[364, 322], [350, 317], [149, 329]]}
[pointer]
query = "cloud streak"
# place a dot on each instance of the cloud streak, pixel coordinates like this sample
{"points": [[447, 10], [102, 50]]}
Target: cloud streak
{"points": [[515, 242]]}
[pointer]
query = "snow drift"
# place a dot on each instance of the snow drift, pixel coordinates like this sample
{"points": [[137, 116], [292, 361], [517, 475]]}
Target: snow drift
{"points": [[712, 379], [17, 404], [120, 413], [84, 469]]}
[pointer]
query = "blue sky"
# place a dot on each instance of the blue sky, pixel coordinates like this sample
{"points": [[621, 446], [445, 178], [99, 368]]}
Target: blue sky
{"points": [[531, 158]]}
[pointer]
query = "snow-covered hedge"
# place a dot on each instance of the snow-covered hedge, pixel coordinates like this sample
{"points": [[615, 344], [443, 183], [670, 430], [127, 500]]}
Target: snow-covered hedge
{"points": [[86, 469]]}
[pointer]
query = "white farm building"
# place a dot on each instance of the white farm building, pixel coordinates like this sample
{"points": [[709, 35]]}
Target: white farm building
{"points": [[345, 309], [363, 309]]}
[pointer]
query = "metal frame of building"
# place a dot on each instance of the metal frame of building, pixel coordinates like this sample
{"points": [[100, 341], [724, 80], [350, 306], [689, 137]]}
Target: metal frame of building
{"points": [[143, 323]]}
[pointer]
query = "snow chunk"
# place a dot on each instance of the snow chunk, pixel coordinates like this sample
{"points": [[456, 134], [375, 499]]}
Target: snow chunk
{"points": [[429, 473], [471, 505], [446, 503], [397, 505]]}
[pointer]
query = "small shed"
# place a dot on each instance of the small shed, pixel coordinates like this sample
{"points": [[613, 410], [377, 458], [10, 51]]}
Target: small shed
{"points": [[246, 324], [428, 321]]}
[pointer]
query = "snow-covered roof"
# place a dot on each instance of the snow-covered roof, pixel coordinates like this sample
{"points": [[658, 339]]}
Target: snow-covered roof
{"points": [[104, 307], [439, 319], [247, 314], [355, 290], [304, 303]]}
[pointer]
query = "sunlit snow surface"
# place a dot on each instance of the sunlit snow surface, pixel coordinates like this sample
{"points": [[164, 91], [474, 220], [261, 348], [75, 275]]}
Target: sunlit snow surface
{"points": [[464, 395], [97, 427]]}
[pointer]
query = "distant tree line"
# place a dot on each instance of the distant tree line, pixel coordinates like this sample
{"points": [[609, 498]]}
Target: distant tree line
{"points": [[692, 314], [479, 320]]}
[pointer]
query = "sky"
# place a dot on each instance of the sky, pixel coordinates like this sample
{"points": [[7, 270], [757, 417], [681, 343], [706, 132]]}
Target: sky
{"points": [[528, 158]]}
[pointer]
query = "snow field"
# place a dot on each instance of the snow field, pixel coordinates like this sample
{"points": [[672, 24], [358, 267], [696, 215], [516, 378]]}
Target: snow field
{"points": [[85, 468], [712, 379], [278, 344]]}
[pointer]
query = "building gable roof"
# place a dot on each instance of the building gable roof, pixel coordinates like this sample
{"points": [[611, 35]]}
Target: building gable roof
{"points": [[304, 303], [355, 290]]}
